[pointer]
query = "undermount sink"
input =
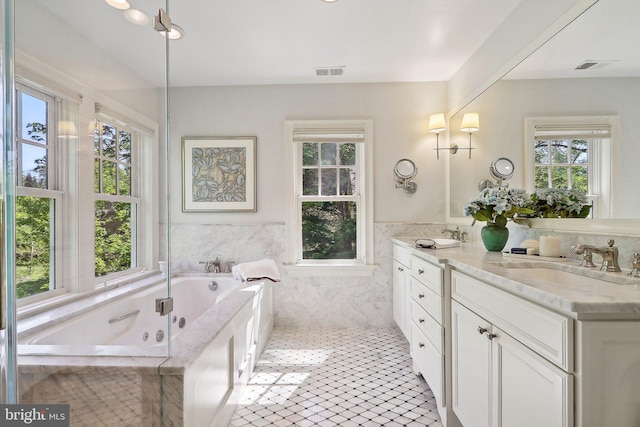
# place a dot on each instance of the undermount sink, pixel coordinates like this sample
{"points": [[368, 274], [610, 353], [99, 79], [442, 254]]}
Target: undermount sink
{"points": [[563, 274]]}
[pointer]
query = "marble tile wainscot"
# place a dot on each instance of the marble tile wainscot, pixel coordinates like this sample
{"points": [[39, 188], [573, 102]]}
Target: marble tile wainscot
{"points": [[571, 336]]}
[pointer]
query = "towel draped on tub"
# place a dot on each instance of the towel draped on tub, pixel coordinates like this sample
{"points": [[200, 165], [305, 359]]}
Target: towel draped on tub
{"points": [[256, 270]]}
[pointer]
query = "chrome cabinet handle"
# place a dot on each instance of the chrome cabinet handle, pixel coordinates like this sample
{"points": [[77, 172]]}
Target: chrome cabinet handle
{"points": [[420, 295], [420, 345], [491, 336], [420, 271], [400, 269], [482, 330], [421, 320]]}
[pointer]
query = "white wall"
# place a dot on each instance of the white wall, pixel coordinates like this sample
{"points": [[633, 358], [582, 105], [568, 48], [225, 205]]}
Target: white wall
{"points": [[400, 114], [399, 111], [503, 109]]}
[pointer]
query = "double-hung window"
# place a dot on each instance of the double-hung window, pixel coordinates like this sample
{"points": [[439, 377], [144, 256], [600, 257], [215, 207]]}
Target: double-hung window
{"points": [[571, 153], [116, 197], [330, 197], [38, 199]]}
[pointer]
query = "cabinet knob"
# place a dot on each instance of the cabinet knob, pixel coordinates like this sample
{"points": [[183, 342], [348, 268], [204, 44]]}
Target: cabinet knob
{"points": [[420, 271], [421, 320], [420, 345], [491, 336], [482, 330], [420, 295], [400, 269]]}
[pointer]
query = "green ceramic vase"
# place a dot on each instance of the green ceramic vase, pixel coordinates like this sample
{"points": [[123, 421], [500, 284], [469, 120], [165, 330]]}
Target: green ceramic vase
{"points": [[494, 237]]}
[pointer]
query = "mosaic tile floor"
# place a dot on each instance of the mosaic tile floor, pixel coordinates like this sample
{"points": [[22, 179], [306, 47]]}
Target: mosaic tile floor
{"points": [[336, 377]]}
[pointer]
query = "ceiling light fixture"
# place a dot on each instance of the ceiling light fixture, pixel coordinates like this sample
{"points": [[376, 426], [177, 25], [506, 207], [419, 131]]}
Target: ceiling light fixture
{"points": [[136, 17], [329, 1], [118, 4], [176, 32]]}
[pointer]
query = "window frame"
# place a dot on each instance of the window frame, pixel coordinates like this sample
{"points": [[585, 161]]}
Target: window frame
{"points": [[53, 191], [599, 171], [363, 265], [133, 198]]}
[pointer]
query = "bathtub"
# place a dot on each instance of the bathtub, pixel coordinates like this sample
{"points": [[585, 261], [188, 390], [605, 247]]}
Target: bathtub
{"points": [[133, 321], [216, 338]]}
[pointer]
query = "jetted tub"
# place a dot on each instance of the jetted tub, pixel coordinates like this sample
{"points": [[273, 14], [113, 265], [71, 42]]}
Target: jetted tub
{"points": [[133, 321]]}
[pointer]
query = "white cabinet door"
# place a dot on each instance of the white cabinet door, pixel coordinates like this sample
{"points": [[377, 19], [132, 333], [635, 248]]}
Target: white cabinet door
{"points": [[471, 367], [401, 297], [529, 390]]}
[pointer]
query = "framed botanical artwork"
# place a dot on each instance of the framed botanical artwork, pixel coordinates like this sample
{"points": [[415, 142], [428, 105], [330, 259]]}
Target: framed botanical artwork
{"points": [[219, 174]]}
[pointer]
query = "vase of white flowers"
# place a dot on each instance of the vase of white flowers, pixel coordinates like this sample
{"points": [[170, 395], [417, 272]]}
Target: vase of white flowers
{"points": [[496, 206]]}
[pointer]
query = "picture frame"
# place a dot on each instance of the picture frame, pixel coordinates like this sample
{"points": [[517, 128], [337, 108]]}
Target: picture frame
{"points": [[219, 174]]}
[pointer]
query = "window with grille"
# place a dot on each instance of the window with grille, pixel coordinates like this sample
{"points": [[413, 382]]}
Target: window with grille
{"points": [[572, 153], [330, 198]]}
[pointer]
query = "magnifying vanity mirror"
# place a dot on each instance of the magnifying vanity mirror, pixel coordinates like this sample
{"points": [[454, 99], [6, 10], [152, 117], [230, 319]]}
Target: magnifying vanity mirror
{"points": [[404, 171], [555, 83], [501, 169]]}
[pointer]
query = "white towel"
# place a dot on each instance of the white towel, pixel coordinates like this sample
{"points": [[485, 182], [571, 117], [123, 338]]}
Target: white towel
{"points": [[437, 243], [256, 270]]}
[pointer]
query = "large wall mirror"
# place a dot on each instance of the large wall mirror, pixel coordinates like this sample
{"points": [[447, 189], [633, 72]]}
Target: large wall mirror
{"points": [[589, 69]]}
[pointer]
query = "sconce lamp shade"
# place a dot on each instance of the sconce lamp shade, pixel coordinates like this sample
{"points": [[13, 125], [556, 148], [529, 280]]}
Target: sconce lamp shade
{"points": [[67, 129], [437, 123], [470, 123]]}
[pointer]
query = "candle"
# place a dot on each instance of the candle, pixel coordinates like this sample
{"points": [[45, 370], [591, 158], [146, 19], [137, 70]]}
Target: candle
{"points": [[549, 246]]}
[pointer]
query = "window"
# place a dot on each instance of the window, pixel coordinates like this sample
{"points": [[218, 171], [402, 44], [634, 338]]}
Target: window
{"points": [[571, 153], [37, 197], [115, 204], [330, 195]]}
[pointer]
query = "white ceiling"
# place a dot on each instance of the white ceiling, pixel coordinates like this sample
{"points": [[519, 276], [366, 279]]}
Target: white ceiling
{"points": [[244, 42], [239, 42], [608, 32]]}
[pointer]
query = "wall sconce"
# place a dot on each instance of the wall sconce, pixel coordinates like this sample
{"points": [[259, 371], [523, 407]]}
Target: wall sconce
{"points": [[67, 129], [436, 125], [471, 124]]}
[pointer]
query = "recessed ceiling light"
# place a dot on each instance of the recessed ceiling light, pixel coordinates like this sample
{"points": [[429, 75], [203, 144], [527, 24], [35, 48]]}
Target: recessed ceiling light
{"points": [[118, 4], [329, 1], [136, 17], [176, 32]]}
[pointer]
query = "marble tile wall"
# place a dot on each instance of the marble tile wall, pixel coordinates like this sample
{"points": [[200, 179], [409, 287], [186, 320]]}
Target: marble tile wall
{"points": [[300, 301]]}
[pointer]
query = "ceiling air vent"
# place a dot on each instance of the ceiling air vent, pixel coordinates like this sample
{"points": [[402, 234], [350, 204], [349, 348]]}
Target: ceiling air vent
{"points": [[330, 71], [592, 64]]}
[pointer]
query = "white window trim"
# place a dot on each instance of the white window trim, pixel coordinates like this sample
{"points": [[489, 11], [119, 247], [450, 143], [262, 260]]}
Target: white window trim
{"points": [[602, 155], [294, 266]]}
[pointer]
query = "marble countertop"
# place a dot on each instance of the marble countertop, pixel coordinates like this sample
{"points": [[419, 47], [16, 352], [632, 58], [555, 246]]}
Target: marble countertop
{"points": [[582, 294]]}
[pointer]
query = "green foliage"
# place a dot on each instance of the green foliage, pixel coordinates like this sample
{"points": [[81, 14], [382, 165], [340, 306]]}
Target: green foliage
{"points": [[329, 230], [33, 231], [112, 237]]}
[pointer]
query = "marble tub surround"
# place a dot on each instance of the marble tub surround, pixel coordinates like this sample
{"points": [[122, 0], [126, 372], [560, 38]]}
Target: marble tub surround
{"points": [[115, 388], [589, 299], [301, 301]]}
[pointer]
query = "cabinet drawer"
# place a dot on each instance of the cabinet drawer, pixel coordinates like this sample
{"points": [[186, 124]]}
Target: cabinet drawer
{"points": [[546, 332], [427, 273], [427, 299], [429, 362], [429, 327], [402, 255]]}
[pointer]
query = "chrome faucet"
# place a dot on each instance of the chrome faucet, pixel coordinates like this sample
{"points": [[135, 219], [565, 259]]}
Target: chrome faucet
{"points": [[609, 255], [211, 266], [456, 234]]}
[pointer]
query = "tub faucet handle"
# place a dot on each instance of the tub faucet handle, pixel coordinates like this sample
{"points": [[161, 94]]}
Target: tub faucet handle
{"points": [[210, 266], [229, 266], [635, 272]]}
